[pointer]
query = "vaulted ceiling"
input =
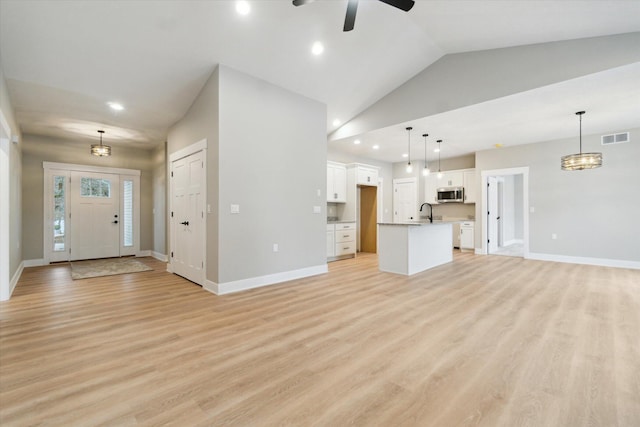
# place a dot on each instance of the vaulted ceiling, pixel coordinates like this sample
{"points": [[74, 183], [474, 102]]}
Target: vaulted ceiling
{"points": [[65, 60]]}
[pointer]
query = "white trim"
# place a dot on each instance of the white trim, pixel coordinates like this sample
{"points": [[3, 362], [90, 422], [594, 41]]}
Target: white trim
{"points": [[484, 175], [5, 202], [512, 242], [15, 278], [86, 168], [34, 262], [159, 256], [269, 279], [187, 151], [604, 262]]}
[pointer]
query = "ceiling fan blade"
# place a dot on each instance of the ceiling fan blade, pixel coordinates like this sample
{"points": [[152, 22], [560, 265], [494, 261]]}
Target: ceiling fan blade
{"points": [[350, 19], [302, 2], [405, 5]]}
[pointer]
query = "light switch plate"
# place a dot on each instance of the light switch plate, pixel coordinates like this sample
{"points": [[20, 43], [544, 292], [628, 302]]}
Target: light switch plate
{"points": [[316, 209], [235, 209]]}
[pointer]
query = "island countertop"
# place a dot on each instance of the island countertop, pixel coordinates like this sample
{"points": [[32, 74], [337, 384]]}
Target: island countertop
{"points": [[418, 223]]}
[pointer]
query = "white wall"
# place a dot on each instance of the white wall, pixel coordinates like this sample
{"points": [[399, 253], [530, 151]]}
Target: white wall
{"points": [[593, 212]]}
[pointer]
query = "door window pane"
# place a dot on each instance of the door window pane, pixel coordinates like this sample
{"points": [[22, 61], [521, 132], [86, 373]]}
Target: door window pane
{"points": [[127, 219], [95, 187], [59, 210]]}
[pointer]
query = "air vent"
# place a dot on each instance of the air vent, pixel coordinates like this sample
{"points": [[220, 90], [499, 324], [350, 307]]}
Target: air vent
{"points": [[616, 138]]}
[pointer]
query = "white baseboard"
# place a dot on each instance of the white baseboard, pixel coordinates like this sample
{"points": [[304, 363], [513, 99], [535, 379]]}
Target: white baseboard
{"points": [[34, 262], [169, 268], [159, 256], [480, 251], [269, 279], [15, 278], [604, 262]]}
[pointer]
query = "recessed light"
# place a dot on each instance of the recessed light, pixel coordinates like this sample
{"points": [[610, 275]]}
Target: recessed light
{"points": [[405, 155], [243, 7], [376, 147], [336, 122], [357, 141], [436, 150], [115, 106], [317, 48], [497, 145]]}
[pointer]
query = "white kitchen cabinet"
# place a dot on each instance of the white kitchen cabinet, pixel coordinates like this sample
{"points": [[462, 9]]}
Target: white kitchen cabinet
{"points": [[451, 179], [470, 190], [467, 239], [336, 182], [431, 188], [331, 240], [366, 175], [344, 239]]}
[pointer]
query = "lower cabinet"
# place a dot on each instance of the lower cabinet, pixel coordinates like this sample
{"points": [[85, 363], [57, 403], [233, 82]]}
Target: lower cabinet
{"points": [[467, 238], [342, 241]]}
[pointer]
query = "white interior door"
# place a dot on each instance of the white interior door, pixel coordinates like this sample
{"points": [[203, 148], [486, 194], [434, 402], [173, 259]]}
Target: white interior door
{"points": [[492, 214], [95, 209], [405, 200], [187, 220]]}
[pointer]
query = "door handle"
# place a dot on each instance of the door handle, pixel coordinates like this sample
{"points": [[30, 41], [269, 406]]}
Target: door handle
{"points": [[185, 223], [114, 222]]}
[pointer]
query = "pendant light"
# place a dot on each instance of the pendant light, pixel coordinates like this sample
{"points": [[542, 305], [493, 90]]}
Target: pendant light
{"points": [[439, 173], [580, 161], [425, 171], [409, 167], [99, 149]]}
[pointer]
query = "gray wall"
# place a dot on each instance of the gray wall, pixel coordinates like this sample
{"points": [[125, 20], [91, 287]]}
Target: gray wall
{"points": [[273, 154], [159, 178], [463, 79], [15, 181], [593, 212], [266, 152], [202, 122], [37, 149]]}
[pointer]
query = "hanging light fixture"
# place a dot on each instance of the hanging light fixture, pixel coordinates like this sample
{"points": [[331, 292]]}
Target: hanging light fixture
{"points": [[439, 173], [580, 161], [425, 171], [409, 167], [99, 149]]}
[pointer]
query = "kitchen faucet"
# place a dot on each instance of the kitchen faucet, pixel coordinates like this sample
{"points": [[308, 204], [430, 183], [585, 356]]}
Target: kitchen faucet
{"points": [[430, 211]]}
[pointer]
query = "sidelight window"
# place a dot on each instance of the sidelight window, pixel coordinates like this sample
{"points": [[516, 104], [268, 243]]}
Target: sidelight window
{"points": [[127, 217], [59, 212]]}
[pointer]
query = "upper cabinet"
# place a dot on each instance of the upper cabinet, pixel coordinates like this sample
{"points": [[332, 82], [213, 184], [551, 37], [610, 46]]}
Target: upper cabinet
{"points": [[336, 182], [366, 175], [451, 179], [470, 189], [430, 188]]}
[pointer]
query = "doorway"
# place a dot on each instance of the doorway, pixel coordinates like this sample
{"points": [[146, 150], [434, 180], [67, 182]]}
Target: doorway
{"points": [[187, 220], [368, 219], [405, 200], [505, 225], [90, 212]]}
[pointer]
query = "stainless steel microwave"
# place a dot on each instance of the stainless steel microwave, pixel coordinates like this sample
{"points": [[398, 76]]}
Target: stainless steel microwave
{"points": [[450, 195]]}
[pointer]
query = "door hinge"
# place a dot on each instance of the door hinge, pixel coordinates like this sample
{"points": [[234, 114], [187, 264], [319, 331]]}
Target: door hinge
{"points": [[171, 214], [202, 264], [171, 254], [69, 250], [202, 214], [69, 215], [171, 174]]}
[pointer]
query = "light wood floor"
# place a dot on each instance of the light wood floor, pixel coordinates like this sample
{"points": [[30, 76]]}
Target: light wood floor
{"points": [[485, 340]]}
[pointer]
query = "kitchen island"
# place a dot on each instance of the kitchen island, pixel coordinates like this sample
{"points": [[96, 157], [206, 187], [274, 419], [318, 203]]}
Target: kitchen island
{"points": [[411, 247]]}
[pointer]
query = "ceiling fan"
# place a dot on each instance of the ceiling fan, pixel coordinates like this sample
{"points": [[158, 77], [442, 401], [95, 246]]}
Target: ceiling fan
{"points": [[352, 7]]}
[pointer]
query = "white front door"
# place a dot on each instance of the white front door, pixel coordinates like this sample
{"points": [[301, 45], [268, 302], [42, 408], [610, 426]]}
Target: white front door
{"points": [[95, 210], [405, 200], [492, 214], [187, 217]]}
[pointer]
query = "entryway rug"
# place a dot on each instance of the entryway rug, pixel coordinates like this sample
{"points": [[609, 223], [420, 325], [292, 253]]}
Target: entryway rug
{"points": [[106, 267]]}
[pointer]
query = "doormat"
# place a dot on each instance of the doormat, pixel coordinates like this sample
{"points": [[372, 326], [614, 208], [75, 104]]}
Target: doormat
{"points": [[106, 267]]}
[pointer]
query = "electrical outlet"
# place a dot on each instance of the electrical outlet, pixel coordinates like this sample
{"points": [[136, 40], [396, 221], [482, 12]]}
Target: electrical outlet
{"points": [[275, 247], [554, 236], [316, 209], [532, 209], [319, 192], [235, 209]]}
